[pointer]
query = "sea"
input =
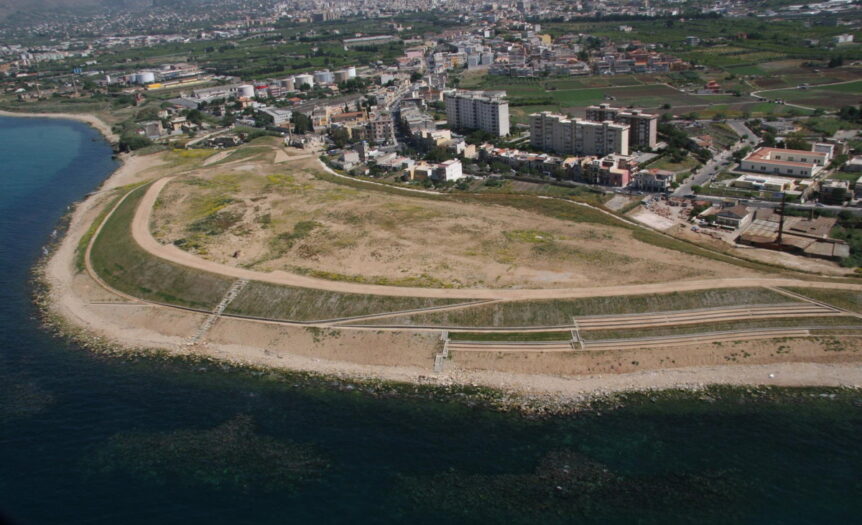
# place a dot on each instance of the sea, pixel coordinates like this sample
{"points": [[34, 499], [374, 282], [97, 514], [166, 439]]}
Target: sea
{"points": [[95, 439]]}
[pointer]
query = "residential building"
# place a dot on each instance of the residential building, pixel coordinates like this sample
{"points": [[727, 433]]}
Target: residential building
{"points": [[611, 170], [835, 191], [448, 170], [382, 129], [643, 127], [737, 217], [654, 180], [487, 111], [788, 162], [564, 135], [854, 164]]}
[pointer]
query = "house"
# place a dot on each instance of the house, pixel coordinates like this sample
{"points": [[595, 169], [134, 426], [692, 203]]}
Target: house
{"points": [[737, 217], [854, 164], [448, 170], [834, 191], [654, 180], [857, 189]]}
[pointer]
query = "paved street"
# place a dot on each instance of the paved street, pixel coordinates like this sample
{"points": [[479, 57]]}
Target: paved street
{"points": [[712, 168]]}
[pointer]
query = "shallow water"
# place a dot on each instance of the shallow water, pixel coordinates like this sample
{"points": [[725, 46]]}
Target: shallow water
{"points": [[89, 439]]}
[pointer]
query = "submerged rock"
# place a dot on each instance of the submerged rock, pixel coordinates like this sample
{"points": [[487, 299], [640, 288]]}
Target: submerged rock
{"points": [[231, 455]]}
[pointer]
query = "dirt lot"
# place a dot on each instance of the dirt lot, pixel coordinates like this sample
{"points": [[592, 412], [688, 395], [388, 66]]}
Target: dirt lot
{"points": [[262, 216]]}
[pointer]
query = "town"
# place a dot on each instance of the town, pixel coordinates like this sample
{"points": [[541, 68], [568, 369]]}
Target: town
{"points": [[668, 130]]}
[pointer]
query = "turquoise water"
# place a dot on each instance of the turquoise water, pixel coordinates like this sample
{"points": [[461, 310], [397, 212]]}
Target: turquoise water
{"points": [[90, 439]]}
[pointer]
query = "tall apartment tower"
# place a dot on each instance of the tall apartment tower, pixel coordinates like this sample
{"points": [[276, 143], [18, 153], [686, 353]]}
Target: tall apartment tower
{"points": [[643, 127], [562, 135], [488, 111]]}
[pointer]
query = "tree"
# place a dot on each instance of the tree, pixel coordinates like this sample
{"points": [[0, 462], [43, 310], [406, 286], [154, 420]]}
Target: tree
{"points": [[836, 61], [195, 116], [301, 123], [796, 142], [415, 76], [340, 137], [131, 141]]}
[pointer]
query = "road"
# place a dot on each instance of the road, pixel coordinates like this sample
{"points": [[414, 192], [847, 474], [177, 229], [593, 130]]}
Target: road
{"points": [[712, 168]]}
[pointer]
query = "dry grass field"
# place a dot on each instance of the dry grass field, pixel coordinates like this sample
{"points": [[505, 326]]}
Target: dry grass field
{"points": [[248, 211]]}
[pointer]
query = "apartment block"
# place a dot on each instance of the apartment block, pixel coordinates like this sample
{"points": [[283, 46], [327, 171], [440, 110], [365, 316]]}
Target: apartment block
{"points": [[560, 134], [487, 111], [643, 127]]}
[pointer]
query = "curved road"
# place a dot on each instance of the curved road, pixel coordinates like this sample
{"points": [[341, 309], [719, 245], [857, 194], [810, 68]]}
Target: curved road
{"points": [[143, 236]]}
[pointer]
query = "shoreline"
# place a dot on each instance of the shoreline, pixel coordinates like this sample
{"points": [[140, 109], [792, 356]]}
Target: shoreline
{"points": [[87, 118], [147, 329]]}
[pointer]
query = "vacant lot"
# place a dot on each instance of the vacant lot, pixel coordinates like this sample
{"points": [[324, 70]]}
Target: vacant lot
{"points": [[269, 217], [560, 312]]}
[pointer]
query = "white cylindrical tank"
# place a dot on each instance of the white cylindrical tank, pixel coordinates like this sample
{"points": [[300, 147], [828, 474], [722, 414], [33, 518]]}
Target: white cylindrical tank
{"points": [[146, 77], [246, 91], [304, 79], [351, 72]]}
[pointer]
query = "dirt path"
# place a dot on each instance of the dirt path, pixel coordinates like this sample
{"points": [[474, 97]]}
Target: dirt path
{"points": [[142, 235]]}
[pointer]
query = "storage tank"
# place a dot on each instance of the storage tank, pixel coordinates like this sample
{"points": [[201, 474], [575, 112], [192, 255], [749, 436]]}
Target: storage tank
{"points": [[351, 72], [246, 91], [146, 77], [304, 79], [324, 77], [341, 76], [288, 83]]}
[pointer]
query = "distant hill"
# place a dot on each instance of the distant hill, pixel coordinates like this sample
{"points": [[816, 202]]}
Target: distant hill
{"points": [[9, 7]]}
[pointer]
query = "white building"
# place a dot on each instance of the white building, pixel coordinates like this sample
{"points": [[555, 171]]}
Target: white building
{"points": [[787, 162], [564, 135], [449, 170], [487, 111]]}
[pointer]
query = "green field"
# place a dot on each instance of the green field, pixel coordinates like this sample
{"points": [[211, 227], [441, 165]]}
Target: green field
{"points": [[827, 97], [665, 163], [273, 301], [559, 312]]}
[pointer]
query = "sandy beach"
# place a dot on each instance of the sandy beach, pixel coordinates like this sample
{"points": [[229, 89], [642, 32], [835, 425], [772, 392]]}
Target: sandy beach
{"points": [[99, 314]]}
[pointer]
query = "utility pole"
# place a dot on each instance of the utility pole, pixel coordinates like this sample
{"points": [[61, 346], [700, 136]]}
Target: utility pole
{"points": [[781, 218]]}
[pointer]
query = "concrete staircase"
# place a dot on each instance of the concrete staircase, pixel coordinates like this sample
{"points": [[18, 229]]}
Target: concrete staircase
{"points": [[208, 323]]}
